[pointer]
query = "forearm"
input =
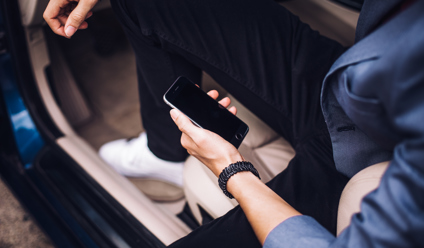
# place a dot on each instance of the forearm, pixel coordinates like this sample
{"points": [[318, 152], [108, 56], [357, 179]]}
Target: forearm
{"points": [[263, 207]]}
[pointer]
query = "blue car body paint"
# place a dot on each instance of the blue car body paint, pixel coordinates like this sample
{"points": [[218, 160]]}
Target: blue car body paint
{"points": [[28, 140]]}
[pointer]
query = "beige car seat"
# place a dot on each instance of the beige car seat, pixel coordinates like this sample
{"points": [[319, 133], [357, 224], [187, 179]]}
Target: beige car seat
{"points": [[270, 154]]}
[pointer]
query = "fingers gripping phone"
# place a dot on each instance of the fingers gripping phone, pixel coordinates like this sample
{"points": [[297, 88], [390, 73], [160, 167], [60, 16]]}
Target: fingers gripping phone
{"points": [[204, 111]]}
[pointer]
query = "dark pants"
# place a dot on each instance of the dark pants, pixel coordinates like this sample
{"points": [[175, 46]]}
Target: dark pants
{"points": [[267, 59]]}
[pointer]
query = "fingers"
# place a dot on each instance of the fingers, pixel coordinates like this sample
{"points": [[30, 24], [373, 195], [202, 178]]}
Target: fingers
{"points": [[89, 15], [184, 123], [225, 102], [233, 110], [84, 25], [65, 17], [214, 94], [187, 142], [78, 16], [51, 15]]}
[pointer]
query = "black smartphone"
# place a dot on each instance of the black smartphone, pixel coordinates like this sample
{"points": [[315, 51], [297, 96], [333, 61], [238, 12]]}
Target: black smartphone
{"points": [[204, 111]]}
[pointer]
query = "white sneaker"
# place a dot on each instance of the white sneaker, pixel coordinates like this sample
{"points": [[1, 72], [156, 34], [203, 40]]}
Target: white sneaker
{"points": [[133, 158]]}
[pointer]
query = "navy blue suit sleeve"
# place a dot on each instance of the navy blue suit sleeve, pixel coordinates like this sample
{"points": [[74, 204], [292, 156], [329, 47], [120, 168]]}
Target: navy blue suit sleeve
{"points": [[393, 214], [299, 231]]}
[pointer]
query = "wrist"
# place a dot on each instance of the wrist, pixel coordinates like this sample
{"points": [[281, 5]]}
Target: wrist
{"points": [[225, 162], [233, 169], [239, 184]]}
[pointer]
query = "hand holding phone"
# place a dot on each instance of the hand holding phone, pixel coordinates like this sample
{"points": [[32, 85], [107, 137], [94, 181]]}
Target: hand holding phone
{"points": [[205, 112]]}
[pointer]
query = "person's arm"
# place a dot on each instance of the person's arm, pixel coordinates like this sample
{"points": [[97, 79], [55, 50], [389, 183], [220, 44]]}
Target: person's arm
{"points": [[393, 214], [65, 17], [264, 208]]}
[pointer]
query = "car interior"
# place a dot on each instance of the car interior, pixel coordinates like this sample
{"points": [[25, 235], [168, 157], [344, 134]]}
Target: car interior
{"points": [[88, 85]]}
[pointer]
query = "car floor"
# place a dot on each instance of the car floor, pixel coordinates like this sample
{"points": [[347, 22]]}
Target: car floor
{"points": [[103, 65], [108, 81]]}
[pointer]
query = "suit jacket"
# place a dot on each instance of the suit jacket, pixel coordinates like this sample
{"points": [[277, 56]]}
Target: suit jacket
{"points": [[373, 103]]}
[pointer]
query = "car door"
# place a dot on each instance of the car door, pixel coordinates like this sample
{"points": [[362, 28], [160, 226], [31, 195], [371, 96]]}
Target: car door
{"points": [[65, 201]]}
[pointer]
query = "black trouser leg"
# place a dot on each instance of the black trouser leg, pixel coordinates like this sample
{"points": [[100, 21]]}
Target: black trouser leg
{"points": [[257, 50]]}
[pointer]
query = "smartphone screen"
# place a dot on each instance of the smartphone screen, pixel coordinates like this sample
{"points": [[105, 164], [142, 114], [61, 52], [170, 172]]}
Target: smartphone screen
{"points": [[205, 111]]}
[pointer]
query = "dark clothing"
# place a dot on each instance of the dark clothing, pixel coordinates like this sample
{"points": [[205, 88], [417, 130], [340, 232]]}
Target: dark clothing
{"points": [[266, 58], [274, 65], [257, 50], [377, 87], [379, 84]]}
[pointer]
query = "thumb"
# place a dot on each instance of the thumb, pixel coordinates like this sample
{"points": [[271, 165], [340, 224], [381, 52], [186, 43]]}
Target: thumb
{"points": [[78, 16], [183, 122]]}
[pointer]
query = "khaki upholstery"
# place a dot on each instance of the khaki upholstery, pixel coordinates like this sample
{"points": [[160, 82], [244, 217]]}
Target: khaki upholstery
{"points": [[358, 186], [268, 151]]}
